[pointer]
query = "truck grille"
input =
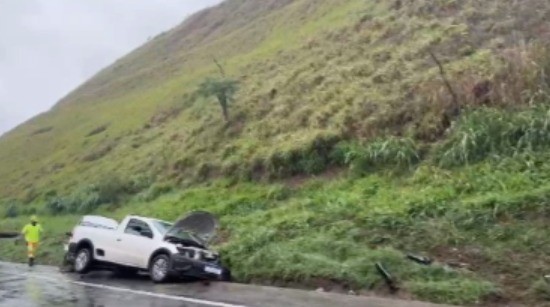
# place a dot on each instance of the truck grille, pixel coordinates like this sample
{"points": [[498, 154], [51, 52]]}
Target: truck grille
{"points": [[198, 254]]}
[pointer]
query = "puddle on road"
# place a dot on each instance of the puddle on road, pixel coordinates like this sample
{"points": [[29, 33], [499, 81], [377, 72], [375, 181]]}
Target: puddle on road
{"points": [[31, 291]]}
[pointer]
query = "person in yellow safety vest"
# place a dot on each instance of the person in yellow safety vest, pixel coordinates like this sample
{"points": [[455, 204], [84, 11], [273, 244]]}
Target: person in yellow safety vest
{"points": [[32, 233]]}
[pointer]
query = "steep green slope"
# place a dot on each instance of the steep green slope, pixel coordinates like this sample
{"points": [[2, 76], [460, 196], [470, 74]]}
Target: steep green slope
{"points": [[311, 72], [343, 91]]}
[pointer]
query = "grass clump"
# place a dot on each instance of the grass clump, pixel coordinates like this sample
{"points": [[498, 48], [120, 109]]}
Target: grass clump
{"points": [[154, 191], [393, 153], [337, 230], [490, 132], [109, 190], [541, 290], [454, 291], [12, 209], [311, 158]]}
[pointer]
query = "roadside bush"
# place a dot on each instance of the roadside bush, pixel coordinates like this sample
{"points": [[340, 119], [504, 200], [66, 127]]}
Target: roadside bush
{"points": [[155, 191], [453, 291], [312, 158], [491, 132], [56, 205], [28, 211], [138, 183], [85, 201], [89, 198], [110, 189], [541, 290], [11, 211], [397, 153]]}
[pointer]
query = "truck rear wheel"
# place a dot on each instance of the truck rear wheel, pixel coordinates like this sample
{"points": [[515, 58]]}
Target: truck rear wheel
{"points": [[83, 260], [159, 269]]}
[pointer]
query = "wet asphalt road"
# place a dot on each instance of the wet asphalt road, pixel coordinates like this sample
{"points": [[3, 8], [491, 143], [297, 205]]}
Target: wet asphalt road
{"points": [[46, 286]]}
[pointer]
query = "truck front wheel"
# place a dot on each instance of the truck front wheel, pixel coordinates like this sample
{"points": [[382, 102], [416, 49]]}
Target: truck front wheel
{"points": [[83, 260], [159, 269]]}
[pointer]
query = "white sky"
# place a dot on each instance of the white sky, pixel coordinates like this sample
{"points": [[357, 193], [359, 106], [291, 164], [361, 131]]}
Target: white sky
{"points": [[49, 47]]}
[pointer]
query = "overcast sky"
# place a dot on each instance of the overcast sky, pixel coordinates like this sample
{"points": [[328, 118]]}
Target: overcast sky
{"points": [[49, 47]]}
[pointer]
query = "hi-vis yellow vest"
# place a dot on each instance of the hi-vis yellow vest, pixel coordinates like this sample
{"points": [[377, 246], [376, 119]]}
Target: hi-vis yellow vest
{"points": [[32, 233]]}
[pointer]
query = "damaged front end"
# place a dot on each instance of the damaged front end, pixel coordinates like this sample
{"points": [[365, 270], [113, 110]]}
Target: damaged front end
{"points": [[192, 236]]}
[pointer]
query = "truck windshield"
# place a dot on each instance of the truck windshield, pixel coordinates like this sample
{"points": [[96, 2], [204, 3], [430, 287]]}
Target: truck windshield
{"points": [[162, 226]]}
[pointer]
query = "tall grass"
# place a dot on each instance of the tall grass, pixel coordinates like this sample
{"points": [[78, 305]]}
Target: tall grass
{"points": [[489, 132], [337, 230], [393, 153], [108, 190]]}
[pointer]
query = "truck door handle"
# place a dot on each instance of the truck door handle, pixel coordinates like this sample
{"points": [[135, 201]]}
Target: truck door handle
{"points": [[118, 240]]}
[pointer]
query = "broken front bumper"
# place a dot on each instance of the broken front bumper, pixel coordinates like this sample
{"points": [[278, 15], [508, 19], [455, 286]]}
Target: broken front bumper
{"points": [[185, 267]]}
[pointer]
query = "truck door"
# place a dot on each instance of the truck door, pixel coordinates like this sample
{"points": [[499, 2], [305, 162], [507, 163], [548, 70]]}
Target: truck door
{"points": [[136, 244]]}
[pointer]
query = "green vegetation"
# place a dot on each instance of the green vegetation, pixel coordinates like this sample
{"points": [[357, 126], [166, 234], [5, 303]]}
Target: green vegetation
{"points": [[490, 216], [345, 147], [489, 132]]}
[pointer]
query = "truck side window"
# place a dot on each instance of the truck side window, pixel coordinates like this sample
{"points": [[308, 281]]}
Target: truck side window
{"points": [[138, 228]]}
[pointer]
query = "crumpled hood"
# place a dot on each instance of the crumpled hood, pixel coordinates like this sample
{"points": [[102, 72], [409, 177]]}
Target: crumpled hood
{"points": [[200, 224]]}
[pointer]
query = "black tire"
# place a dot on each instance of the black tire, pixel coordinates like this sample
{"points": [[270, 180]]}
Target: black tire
{"points": [[83, 260], [67, 265], [159, 268]]}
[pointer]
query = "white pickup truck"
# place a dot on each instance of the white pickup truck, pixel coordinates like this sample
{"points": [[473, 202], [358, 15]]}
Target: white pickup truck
{"points": [[163, 249]]}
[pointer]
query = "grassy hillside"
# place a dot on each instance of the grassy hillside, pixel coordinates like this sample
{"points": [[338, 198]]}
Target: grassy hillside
{"points": [[345, 146], [311, 72]]}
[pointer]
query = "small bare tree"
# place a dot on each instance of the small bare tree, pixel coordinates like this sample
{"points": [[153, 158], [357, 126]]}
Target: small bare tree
{"points": [[454, 111]]}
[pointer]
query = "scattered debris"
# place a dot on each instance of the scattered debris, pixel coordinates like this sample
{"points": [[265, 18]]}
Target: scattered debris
{"points": [[8, 235], [320, 290], [351, 292], [390, 281], [420, 259]]}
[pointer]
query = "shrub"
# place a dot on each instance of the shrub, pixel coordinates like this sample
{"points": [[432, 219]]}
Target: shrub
{"points": [[138, 183], [312, 158], [490, 132], [11, 211], [110, 189], [454, 291], [155, 191], [56, 206], [29, 211], [541, 290], [398, 153], [84, 201], [89, 198]]}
